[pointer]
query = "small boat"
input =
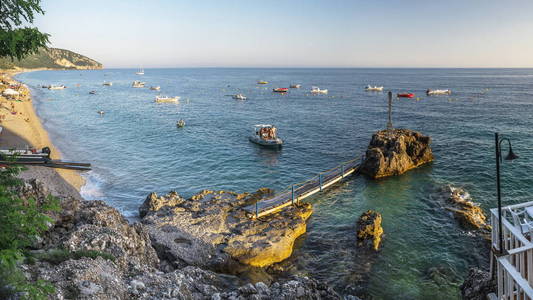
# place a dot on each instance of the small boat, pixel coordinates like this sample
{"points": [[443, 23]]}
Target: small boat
{"points": [[155, 88], [280, 90], [45, 86], [56, 87], [266, 136], [317, 90], [108, 83], [239, 97], [138, 84], [430, 92], [296, 86], [92, 92], [164, 99], [140, 72], [262, 82], [405, 95], [180, 124], [101, 112], [370, 88]]}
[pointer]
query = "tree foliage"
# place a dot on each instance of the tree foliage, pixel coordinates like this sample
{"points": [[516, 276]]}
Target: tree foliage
{"points": [[17, 40]]}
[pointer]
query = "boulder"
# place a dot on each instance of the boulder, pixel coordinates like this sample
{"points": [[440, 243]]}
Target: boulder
{"points": [[477, 285], [369, 230], [469, 214], [395, 152], [212, 230]]}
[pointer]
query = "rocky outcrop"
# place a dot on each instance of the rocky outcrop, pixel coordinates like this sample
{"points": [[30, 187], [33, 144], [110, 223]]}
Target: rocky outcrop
{"points": [[395, 152], [478, 285], [52, 58], [211, 229], [469, 214], [369, 230]]}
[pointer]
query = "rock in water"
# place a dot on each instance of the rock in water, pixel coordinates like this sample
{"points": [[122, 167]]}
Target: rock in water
{"points": [[369, 230], [469, 215], [396, 152], [478, 285]]}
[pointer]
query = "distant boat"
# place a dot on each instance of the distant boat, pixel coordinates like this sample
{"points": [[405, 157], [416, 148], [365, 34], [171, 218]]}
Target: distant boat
{"points": [[180, 123], [155, 88], [266, 136], [107, 83], [56, 87], [140, 72], [163, 99], [280, 90], [430, 92], [296, 86], [101, 112], [405, 95], [92, 92], [370, 88], [317, 90], [239, 97], [138, 84], [262, 82]]}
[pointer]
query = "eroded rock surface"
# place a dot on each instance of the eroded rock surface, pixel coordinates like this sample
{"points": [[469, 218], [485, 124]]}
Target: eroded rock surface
{"points": [[469, 214], [478, 285], [369, 230], [396, 152], [212, 230]]}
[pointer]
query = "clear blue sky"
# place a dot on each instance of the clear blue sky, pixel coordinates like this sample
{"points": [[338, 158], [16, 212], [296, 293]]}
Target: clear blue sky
{"points": [[294, 33]]}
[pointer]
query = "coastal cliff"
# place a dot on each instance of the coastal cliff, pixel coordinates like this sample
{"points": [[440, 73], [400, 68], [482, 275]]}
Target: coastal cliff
{"points": [[52, 58], [396, 152]]}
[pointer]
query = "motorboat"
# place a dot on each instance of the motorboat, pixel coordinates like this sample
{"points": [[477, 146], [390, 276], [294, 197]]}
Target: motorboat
{"points": [[138, 84], [280, 90], [92, 92], [370, 88], [164, 99], [317, 90], [239, 97], [155, 88], [180, 123], [405, 95], [140, 72], [266, 136], [262, 82], [430, 92], [107, 83], [101, 112], [56, 87], [296, 86]]}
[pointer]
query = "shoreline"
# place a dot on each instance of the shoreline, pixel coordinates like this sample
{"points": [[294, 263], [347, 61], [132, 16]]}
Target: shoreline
{"points": [[26, 128]]}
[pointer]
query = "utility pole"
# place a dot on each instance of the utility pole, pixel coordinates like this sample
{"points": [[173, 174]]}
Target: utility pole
{"points": [[389, 123]]}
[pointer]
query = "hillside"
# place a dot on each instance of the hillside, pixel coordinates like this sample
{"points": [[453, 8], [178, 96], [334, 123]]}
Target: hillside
{"points": [[52, 58]]}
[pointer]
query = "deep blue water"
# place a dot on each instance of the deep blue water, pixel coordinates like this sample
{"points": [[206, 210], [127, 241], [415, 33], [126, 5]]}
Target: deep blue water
{"points": [[135, 149]]}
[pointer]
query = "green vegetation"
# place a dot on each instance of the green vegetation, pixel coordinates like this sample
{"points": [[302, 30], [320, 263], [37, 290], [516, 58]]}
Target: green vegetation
{"points": [[23, 221], [58, 256], [51, 58], [16, 40]]}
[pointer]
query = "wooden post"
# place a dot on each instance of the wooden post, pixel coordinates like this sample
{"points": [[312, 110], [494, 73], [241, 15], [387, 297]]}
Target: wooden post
{"points": [[256, 211], [293, 194], [320, 181]]}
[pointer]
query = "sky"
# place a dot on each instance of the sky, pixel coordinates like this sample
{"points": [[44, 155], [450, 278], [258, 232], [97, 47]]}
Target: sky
{"points": [[294, 33]]}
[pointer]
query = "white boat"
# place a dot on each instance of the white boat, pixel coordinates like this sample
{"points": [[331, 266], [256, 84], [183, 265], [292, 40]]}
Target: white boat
{"points": [[163, 99], [140, 72], [430, 92], [239, 97], [376, 88], [101, 112], [266, 136], [317, 90], [57, 87], [108, 83], [138, 84], [155, 88], [180, 123], [295, 86]]}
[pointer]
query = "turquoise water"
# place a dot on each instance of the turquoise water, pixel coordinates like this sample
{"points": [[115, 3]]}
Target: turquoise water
{"points": [[136, 148]]}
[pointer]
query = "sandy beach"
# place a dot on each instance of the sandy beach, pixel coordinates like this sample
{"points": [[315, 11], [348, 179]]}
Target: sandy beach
{"points": [[21, 128]]}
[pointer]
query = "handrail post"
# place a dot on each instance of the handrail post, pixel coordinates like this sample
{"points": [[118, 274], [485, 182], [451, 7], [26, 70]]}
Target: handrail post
{"points": [[256, 211], [320, 181], [293, 194], [342, 168]]}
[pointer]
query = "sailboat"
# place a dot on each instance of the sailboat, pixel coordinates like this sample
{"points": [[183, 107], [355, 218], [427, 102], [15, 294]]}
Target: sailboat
{"points": [[140, 72]]}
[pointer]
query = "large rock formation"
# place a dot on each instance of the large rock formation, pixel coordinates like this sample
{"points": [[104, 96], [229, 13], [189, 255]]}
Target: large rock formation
{"points": [[395, 152], [369, 230], [51, 58], [212, 230]]}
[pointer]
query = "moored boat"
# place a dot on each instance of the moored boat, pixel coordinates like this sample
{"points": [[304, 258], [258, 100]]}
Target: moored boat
{"points": [[180, 123], [56, 87], [239, 97], [138, 84], [262, 82], [92, 92], [317, 90], [280, 90], [405, 95], [140, 72], [163, 99], [376, 88], [108, 83], [295, 86], [430, 92], [266, 136], [155, 88]]}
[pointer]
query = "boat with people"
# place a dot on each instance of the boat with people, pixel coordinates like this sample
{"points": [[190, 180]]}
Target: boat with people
{"points": [[164, 99], [317, 90], [155, 88], [239, 97], [431, 92], [108, 83], [405, 95], [262, 82], [56, 87], [138, 84], [140, 72], [266, 136], [376, 88], [280, 90], [295, 86], [180, 123]]}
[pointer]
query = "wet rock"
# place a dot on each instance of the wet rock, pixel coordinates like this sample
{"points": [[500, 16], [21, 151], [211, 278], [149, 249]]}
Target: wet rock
{"points": [[212, 230], [477, 285], [469, 215], [396, 152], [154, 203], [369, 230]]}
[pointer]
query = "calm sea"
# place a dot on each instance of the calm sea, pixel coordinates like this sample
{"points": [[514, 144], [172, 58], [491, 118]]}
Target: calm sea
{"points": [[136, 149]]}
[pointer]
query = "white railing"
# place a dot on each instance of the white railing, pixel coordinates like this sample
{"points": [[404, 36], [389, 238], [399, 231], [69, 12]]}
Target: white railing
{"points": [[515, 266]]}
